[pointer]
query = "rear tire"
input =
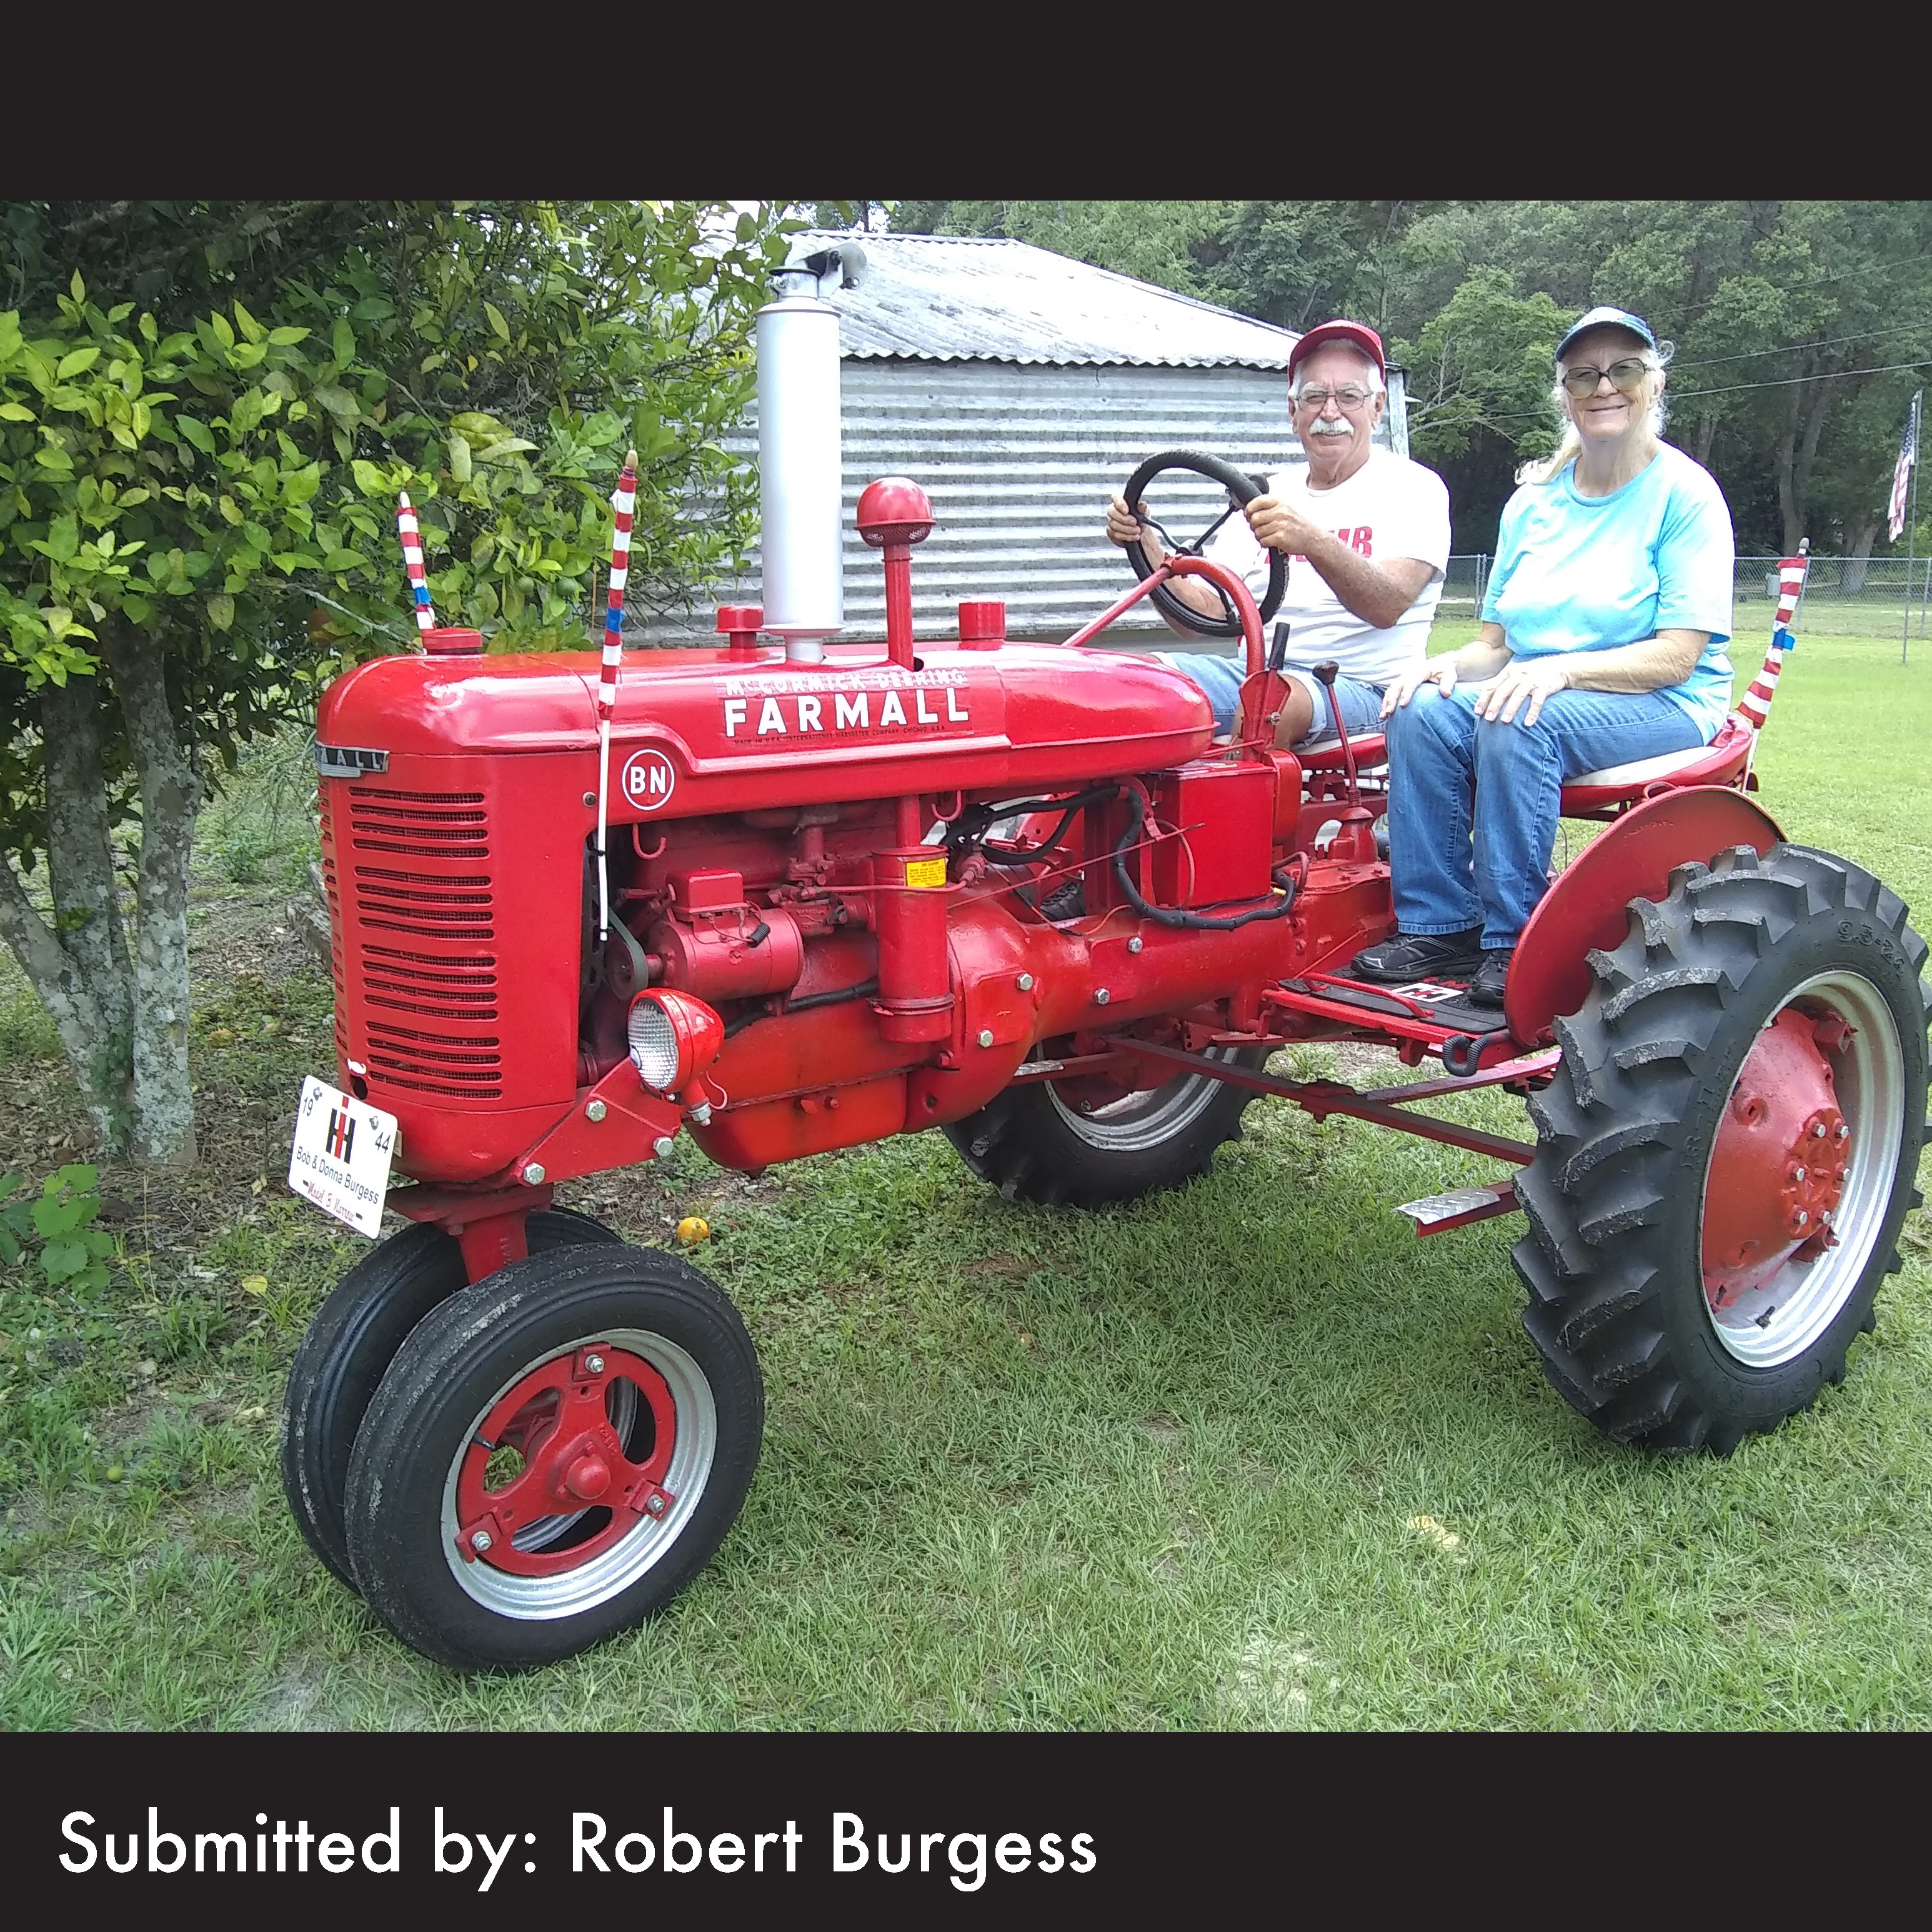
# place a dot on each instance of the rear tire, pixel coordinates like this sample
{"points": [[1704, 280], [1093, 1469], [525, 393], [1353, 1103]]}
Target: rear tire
{"points": [[1033, 1143], [538, 1360], [1673, 1309], [348, 1349]]}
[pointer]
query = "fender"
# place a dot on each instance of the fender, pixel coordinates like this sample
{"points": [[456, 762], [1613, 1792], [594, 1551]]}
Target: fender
{"points": [[1588, 905]]}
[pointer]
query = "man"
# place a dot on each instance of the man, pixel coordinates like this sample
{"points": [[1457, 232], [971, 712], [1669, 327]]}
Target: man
{"points": [[1367, 534]]}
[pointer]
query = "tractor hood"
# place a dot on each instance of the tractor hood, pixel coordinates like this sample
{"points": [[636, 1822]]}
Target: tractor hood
{"points": [[697, 731]]}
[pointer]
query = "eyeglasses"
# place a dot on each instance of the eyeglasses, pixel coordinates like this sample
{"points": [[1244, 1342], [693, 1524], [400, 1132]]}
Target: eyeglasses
{"points": [[1349, 397], [1627, 375]]}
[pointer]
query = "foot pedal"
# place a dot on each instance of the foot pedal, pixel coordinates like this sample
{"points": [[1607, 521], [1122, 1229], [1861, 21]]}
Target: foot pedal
{"points": [[1437, 1214]]}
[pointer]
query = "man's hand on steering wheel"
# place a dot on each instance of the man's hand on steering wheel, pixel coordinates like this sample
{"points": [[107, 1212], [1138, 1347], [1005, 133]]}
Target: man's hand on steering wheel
{"points": [[1124, 528], [1276, 526]]}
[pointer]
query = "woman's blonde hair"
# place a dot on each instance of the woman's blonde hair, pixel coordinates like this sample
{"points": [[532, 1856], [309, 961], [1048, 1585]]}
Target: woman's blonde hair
{"points": [[1547, 469]]}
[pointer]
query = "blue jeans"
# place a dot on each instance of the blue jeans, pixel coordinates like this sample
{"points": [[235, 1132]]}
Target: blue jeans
{"points": [[1473, 804], [1220, 680]]}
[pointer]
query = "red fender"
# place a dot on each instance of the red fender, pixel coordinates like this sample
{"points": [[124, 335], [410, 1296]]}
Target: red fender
{"points": [[1588, 905]]}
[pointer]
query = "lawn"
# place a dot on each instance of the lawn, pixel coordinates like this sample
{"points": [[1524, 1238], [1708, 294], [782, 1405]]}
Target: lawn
{"points": [[1246, 1455]]}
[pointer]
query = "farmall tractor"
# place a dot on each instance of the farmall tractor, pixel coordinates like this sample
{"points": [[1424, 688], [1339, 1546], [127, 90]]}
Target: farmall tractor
{"points": [[808, 895]]}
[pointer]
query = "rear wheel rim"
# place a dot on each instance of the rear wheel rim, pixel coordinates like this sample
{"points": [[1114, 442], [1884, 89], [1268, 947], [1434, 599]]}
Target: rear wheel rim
{"points": [[1139, 1121], [609, 1565], [1770, 1324]]}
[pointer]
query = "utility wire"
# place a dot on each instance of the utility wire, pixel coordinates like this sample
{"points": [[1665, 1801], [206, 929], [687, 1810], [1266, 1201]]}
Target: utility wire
{"points": [[1787, 382], [1794, 348]]}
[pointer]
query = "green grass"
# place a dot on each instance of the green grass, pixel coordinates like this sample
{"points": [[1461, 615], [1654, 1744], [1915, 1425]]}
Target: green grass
{"points": [[1249, 1454]]}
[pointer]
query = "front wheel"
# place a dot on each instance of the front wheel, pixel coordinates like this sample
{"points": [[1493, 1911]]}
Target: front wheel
{"points": [[349, 1347], [1728, 1150], [554, 1454], [1088, 1142]]}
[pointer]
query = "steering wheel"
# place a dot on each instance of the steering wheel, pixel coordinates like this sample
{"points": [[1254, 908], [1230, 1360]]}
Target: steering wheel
{"points": [[1242, 490]]}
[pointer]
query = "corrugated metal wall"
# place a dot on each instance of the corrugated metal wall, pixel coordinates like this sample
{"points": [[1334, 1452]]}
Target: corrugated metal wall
{"points": [[1019, 460]]}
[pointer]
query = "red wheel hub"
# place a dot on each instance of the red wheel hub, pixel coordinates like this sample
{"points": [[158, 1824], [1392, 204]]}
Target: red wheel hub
{"points": [[558, 1419], [1777, 1170]]}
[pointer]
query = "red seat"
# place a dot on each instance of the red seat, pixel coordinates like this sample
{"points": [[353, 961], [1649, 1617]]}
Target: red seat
{"points": [[1370, 748], [1721, 762]]}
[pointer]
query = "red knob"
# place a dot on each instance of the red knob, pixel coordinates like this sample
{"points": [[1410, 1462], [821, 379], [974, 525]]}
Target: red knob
{"points": [[894, 510], [732, 618]]}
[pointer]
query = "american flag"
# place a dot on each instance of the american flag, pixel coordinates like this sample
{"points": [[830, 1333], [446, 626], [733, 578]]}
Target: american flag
{"points": [[1908, 454]]}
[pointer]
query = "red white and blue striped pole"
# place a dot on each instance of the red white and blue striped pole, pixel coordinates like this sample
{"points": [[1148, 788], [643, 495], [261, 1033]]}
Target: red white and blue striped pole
{"points": [[413, 562], [624, 503], [1755, 703]]}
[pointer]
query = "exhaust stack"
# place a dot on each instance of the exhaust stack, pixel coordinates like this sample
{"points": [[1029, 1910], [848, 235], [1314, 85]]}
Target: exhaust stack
{"points": [[799, 474]]}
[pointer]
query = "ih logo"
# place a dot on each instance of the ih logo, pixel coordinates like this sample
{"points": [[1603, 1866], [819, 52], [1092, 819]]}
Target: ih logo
{"points": [[649, 777], [341, 1133]]}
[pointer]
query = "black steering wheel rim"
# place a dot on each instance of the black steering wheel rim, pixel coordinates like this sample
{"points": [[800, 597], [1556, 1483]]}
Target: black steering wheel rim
{"points": [[1243, 489]]}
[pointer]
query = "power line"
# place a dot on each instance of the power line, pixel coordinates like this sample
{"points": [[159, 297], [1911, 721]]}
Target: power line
{"points": [[1787, 382], [1795, 348]]}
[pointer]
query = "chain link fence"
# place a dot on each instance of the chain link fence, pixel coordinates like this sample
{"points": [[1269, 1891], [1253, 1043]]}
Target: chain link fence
{"points": [[1843, 595]]}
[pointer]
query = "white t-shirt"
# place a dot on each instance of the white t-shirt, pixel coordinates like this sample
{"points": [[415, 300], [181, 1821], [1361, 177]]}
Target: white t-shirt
{"points": [[1389, 508]]}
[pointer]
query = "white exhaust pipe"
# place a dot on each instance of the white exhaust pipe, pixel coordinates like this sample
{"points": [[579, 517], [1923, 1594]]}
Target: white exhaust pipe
{"points": [[799, 474]]}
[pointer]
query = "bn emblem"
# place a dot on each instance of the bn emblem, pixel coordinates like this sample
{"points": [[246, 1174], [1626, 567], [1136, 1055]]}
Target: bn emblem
{"points": [[648, 778]]}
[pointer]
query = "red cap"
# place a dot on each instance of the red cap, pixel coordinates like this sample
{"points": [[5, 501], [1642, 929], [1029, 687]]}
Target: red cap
{"points": [[453, 642], [894, 509], [1357, 334]]}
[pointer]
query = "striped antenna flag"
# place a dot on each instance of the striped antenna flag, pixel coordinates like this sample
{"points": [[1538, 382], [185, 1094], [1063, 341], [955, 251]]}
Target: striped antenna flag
{"points": [[413, 562], [1755, 703], [624, 503]]}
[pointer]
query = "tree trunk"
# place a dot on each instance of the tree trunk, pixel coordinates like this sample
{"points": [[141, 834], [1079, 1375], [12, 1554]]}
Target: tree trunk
{"points": [[79, 965], [1789, 507], [171, 796], [1706, 431], [1858, 561]]}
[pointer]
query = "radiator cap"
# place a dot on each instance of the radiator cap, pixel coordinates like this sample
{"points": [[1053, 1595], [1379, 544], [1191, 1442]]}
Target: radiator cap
{"points": [[453, 643]]}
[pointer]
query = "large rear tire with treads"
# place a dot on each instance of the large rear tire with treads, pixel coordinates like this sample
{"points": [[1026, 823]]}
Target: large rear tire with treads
{"points": [[1728, 1150]]}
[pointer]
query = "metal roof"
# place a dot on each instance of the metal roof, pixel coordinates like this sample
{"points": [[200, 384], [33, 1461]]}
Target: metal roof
{"points": [[949, 298]]}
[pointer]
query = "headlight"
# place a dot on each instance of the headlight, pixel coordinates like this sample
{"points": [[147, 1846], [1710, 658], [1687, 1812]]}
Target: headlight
{"points": [[672, 1038]]}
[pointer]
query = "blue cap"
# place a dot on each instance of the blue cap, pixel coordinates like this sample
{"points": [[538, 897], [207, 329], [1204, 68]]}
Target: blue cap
{"points": [[1607, 318]]}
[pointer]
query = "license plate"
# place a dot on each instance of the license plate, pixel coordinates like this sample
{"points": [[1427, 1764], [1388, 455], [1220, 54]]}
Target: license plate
{"points": [[340, 1160]]}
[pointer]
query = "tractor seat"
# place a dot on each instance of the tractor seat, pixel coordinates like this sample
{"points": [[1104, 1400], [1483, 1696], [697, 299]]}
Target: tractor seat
{"points": [[1718, 763], [1370, 748]]}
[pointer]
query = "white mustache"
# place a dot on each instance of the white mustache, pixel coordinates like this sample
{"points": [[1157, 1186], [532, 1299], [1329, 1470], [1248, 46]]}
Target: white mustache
{"points": [[1321, 426]]}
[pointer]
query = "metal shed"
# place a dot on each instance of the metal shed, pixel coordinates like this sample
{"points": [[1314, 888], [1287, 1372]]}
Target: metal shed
{"points": [[1021, 388]]}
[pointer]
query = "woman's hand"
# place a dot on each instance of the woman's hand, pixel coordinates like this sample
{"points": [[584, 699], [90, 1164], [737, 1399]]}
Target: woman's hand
{"points": [[1534, 679], [1441, 674]]}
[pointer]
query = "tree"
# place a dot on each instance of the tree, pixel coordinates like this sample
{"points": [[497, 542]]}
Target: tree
{"points": [[206, 412]]}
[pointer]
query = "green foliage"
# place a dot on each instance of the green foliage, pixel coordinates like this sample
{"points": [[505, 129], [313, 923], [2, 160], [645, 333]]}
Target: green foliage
{"points": [[73, 1252], [1482, 363], [211, 455]]}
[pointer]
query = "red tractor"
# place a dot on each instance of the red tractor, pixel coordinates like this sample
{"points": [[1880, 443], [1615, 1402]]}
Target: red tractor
{"points": [[1021, 894]]}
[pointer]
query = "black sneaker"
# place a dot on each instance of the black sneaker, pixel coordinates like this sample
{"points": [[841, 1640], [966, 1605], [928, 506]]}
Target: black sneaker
{"points": [[1485, 989], [1420, 955]]}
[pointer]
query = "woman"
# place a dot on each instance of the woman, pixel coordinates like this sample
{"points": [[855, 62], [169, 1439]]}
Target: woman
{"points": [[1602, 641]]}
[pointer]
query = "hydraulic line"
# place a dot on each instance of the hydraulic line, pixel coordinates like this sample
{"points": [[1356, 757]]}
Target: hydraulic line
{"points": [[864, 990], [1189, 922]]}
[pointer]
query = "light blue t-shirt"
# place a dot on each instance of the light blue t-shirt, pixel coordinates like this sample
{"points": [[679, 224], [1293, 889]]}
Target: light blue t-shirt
{"points": [[1577, 573]]}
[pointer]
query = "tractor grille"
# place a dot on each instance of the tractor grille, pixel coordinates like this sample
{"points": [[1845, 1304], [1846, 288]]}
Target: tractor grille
{"points": [[424, 940]]}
